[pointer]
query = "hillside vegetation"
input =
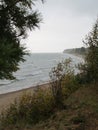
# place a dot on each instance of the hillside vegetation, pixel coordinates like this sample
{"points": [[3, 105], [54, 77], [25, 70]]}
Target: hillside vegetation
{"points": [[81, 112]]}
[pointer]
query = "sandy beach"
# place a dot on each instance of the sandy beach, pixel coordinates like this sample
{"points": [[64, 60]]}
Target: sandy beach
{"points": [[6, 99]]}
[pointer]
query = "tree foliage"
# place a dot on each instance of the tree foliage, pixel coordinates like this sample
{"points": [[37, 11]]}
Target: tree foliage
{"points": [[59, 76], [90, 68], [16, 17]]}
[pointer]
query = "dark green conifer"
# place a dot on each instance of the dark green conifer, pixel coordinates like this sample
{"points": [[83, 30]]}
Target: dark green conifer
{"points": [[16, 17]]}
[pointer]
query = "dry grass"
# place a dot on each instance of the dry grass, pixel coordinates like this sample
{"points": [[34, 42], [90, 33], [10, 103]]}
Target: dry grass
{"points": [[81, 113]]}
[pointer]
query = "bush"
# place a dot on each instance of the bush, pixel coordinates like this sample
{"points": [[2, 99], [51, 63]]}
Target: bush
{"points": [[29, 109], [69, 85], [63, 81]]}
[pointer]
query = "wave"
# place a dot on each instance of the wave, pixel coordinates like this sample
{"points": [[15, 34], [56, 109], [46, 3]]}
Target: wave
{"points": [[34, 71]]}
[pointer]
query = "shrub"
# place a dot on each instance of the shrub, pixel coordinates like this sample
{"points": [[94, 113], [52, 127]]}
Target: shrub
{"points": [[63, 81], [29, 109]]}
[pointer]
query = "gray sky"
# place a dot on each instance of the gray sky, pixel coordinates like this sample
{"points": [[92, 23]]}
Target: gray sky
{"points": [[65, 24]]}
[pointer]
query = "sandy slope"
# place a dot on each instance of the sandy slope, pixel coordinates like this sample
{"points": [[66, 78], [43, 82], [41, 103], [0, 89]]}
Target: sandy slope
{"points": [[6, 99]]}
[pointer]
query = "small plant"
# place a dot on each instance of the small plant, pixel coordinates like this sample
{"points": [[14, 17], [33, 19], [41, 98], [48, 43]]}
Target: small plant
{"points": [[62, 79]]}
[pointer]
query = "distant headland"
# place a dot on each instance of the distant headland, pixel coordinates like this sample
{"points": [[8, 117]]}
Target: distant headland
{"points": [[76, 51]]}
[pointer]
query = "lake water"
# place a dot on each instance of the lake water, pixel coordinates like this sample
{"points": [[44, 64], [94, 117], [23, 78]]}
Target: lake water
{"points": [[35, 71]]}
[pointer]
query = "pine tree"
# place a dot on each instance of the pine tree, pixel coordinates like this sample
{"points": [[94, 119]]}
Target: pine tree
{"points": [[16, 17]]}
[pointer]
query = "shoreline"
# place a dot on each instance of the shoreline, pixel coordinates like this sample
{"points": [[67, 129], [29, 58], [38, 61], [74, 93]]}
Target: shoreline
{"points": [[76, 54], [8, 98]]}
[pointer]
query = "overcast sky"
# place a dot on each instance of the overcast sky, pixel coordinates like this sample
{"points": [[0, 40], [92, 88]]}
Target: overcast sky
{"points": [[65, 24]]}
